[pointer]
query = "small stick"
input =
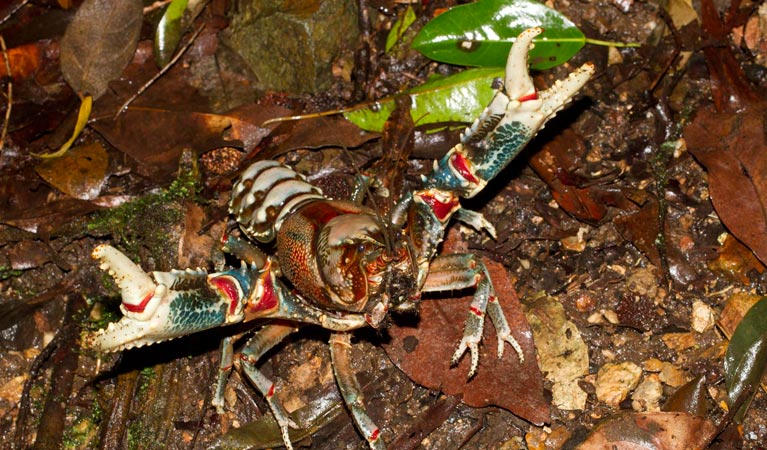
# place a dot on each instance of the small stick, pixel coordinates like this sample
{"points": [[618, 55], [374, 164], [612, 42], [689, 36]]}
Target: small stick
{"points": [[162, 71], [9, 95], [156, 5], [13, 11]]}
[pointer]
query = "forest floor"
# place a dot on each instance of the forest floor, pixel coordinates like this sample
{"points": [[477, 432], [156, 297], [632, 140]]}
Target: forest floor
{"points": [[629, 234]]}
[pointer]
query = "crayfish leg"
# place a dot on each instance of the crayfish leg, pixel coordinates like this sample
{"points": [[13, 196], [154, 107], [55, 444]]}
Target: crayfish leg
{"points": [[264, 339], [340, 353], [456, 272], [244, 251]]}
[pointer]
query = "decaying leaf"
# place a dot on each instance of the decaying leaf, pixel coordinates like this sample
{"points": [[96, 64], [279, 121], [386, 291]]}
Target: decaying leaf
{"points": [[735, 261], [265, 433], [553, 164], [641, 228], [564, 357], [99, 43], [80, 173], [681, 12], [424, 351], [732, 147], [736, 307], [166, 132], [23, 60], [690, 398], [660, 431], [317, 132]]}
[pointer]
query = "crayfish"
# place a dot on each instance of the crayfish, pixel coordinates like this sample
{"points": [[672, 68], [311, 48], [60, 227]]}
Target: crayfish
{"points": [[341, 266]]}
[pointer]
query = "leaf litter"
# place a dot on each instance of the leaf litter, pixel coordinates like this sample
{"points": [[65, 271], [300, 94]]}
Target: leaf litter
{"points": [[626, 234]]}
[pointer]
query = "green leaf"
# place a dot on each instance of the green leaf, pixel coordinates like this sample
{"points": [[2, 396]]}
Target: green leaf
{"points": [[399, 28], [481, 34], [746, 356], [169, 31], [458, 98]]}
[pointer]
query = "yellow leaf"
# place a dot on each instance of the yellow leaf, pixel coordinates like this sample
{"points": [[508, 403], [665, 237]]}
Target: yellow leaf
{"points": [[82, 119]]}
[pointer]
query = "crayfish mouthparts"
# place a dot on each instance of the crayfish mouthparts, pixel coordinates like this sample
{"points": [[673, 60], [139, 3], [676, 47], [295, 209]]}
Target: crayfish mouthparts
{"points": [[339, 267]]}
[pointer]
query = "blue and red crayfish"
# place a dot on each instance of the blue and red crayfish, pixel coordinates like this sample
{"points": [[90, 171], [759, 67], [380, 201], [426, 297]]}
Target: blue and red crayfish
{"points": [[347, 266]]}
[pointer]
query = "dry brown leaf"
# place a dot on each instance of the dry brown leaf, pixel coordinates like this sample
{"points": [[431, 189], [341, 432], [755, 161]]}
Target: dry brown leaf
{"points": [[99, 43], [737, 306], [165, 133], [79, 173], [660, 431], [732, 148]]}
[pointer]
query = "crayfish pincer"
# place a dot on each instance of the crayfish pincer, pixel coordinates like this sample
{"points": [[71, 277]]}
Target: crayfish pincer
{"points": [[347, 267]]}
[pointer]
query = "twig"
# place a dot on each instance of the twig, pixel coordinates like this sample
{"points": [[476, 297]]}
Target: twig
{"points": [[156, 5], [162, 72], [13, 11], [9, 95]]}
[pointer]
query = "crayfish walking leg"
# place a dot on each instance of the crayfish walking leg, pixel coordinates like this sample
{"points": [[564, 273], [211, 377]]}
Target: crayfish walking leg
{"points": [[266, 338], [340, 352], [456, 272]]}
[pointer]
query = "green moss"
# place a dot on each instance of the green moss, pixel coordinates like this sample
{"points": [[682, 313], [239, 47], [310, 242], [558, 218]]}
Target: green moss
{"points": [[84, 432], [6, 272], [140, 437], [152, 221], [146, 378], [108, 312]]}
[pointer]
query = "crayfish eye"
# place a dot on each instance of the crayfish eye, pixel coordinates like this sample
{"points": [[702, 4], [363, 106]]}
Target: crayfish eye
{"points": [[361, 248]]}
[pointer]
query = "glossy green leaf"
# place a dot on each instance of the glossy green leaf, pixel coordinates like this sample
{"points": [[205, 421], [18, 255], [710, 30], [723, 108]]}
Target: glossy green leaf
{"points": [[749, 330], [481, 34], [169, 31], [458, 98], [399, 28], [746, 356], [747, 375]]}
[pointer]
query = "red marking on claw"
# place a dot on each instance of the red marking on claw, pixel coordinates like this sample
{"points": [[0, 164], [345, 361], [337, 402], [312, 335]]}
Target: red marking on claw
{"points": [[528, 97], [476, 311], [374, 435], [141, 306], [268, 298], [270, 392], [462, 166], [441, 209], [227, 287]]}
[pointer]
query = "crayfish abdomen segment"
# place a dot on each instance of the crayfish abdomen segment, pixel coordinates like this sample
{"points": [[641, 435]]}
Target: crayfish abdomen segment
{"points": [[265, 194]]}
